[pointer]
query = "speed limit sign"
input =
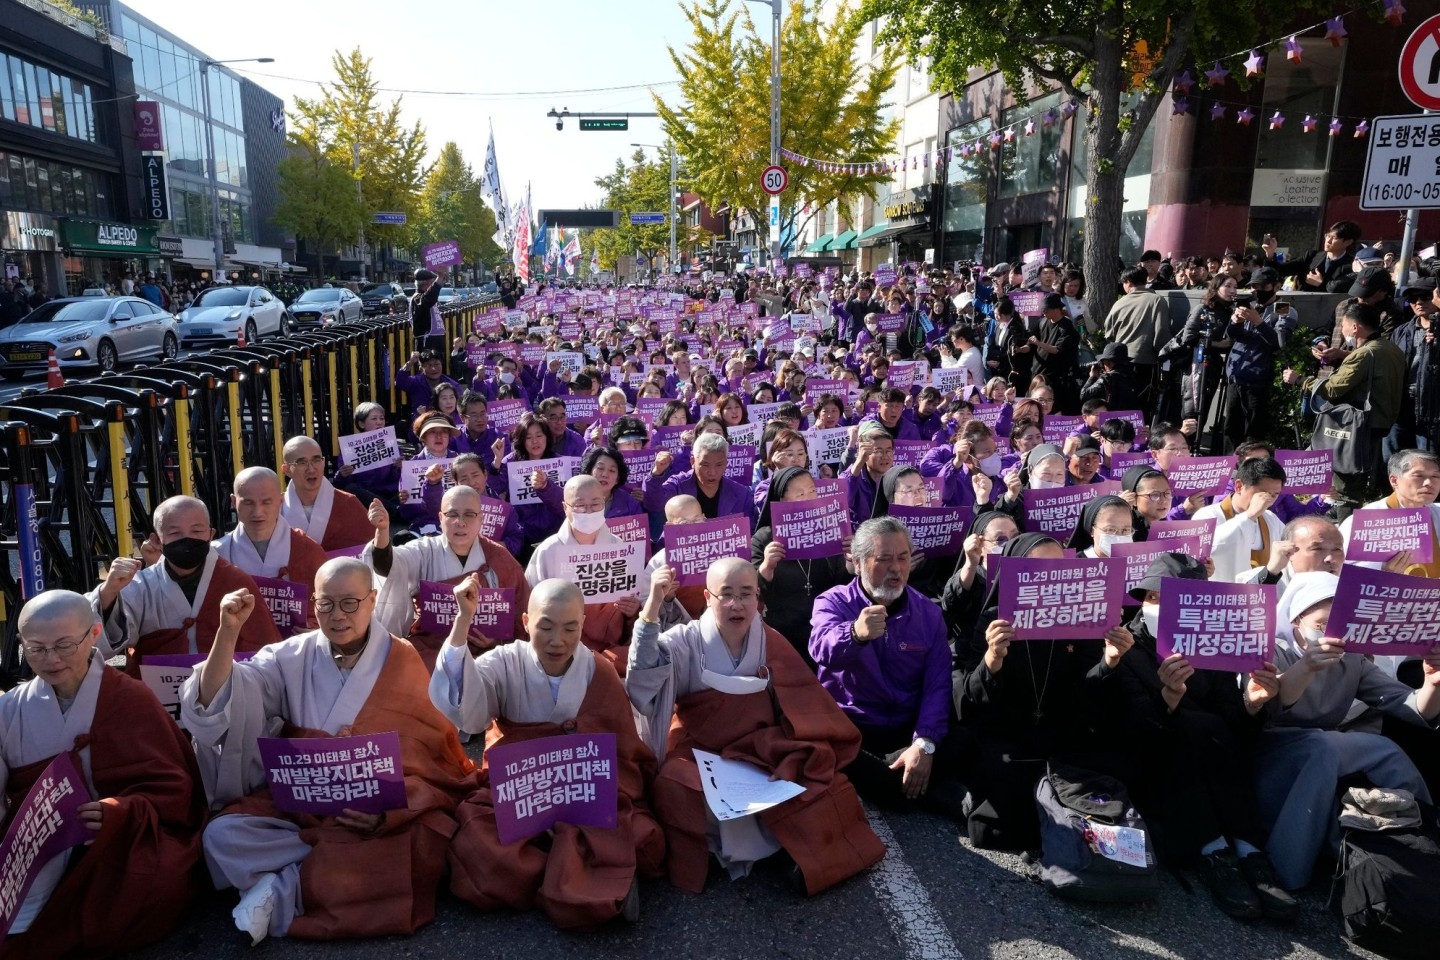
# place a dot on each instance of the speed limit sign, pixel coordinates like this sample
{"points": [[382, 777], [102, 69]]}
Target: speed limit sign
{"points": [[774, 180]]}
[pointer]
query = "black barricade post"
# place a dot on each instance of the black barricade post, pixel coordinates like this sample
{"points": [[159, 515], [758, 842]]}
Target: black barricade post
{"points": [[22, 519]]}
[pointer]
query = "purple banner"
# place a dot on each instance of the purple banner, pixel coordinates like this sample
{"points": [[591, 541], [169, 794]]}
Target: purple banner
{"points": [[1378, 534], [288, 603], [46, 824], [890, 323], [538, 783], [505, 414], [884, 274], [1202, 531], [839, 487], [1054, 512], [1135, 418], [1207, 475], [935, 531], [990, 413], [691, 547], [1060, 599], [1307, 471], [1385, 613], [634, 528], [149, 128], [325, 776], [494, 514], [1122, 462], [1028, 303], [1057, 428], [810, 529], [443, 254], [671, 438], [581, 409], [1217, 626], [494, 615], [1138, 556], [740, 464]]}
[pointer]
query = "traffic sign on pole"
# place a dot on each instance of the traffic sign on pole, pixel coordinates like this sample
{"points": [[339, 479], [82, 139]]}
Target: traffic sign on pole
{"points": [[391, 217], [646, 219], [1401, 164], [604, 123], [1420, 65], [774, 180]]}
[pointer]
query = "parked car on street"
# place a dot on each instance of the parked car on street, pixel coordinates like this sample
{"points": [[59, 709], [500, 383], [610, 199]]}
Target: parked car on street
{"points": [[220, 314], [384, 298], [324, 306], [99, 332]]}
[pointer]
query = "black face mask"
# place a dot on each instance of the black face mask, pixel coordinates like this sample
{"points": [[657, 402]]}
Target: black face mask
{"points": [[1263, 297], [186, 553]]}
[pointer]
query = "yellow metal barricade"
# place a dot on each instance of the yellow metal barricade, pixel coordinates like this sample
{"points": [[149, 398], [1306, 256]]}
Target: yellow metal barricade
{"points": [[184, 452], [277, 424], [330, 355], [237, 427], [308, 420], [120, 481]]}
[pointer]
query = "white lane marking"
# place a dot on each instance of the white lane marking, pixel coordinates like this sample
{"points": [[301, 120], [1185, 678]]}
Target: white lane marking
{"points": [[907, 906]]}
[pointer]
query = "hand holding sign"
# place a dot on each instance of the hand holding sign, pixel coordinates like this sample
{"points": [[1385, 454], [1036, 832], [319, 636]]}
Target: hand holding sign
{"points": [[1174, 670], [997, 644], [1117, 641], [1261, 687]]}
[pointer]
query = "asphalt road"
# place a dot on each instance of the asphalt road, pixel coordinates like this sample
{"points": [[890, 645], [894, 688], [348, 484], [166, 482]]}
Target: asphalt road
{"points": [[932, 898]]}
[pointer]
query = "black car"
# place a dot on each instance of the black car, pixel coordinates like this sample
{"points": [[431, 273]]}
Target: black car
{"points": [[383, 298]]}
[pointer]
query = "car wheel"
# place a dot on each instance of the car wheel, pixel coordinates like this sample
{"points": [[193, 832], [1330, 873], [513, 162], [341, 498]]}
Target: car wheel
{"points": [[170, 349], [284, 330], [105, 356], [252, 335]]}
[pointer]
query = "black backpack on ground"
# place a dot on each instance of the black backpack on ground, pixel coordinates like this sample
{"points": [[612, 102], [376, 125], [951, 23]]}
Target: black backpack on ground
{"points": [[1083, 817], [1389, 891]]}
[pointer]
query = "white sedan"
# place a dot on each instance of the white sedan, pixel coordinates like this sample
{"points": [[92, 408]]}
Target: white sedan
{"points": [[326, 305], [87, 332], [220, 314]]}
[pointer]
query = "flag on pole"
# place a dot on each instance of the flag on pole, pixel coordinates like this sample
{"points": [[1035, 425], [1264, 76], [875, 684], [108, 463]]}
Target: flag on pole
{"points": [[595, 261], [522, 244], [572, 255], [492, 191]]}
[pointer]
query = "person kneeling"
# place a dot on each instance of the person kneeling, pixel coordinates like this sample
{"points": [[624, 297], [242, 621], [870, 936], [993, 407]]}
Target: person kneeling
{"points": [[580, 876]]}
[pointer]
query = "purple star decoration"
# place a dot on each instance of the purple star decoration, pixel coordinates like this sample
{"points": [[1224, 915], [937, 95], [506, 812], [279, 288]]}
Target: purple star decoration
{"points": [[1335, 127], [1217, 111], [1277, 120], [1216, 75], [1245, 116], [1184, 82], [1180, 105], [1293, 51], [1394, 12], [1335, 30], [1362, 128], [1254, 64], [1308, 124]]}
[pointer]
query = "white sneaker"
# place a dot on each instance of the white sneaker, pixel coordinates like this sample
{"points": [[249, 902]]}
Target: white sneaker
{"points": [[256, 907]]}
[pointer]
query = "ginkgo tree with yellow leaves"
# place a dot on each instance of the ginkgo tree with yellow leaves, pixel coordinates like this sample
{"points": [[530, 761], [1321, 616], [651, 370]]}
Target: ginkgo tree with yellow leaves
{"points": [[831, 106]]}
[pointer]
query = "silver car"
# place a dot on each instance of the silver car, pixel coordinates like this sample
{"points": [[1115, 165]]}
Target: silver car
{"points": [[326, 305], [98, 332], [219, 315]]}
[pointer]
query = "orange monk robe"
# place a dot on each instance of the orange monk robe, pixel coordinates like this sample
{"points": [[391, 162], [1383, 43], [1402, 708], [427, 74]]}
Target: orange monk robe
{"points": [[579, 875], [794, 731], [152, 616], [133, 884], [356, 886], [297, 562]]}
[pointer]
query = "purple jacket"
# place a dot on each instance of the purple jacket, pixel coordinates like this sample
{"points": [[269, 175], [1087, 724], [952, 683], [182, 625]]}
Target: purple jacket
{"points": [[734, 497], [901, 679], [537, 520], [488, 386], [480, 446], [512, 536], [570, 444], [903, 430], [622, 504], [862, 497], [418, 390]]}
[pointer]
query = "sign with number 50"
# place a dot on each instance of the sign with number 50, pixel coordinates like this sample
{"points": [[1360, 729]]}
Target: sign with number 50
{"points": [[774, 180]]}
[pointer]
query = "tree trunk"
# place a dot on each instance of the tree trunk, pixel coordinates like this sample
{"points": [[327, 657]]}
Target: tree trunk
{"points": [[1104, 177]]}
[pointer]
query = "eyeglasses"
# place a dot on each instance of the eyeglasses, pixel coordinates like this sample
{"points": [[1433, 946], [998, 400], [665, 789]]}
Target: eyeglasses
{"points": [[1155, 497], [64, 649], [586, 507], [467, 516], [998, 541], [325, 605], [1112, 532], [910, 491], [1176, 449], [555, 417], [744, 596], [307, 462]]}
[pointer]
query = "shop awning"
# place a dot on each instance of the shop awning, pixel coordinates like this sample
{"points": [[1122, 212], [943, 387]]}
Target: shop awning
{"points": [[846, 241], [819, 245], [884, 233]]}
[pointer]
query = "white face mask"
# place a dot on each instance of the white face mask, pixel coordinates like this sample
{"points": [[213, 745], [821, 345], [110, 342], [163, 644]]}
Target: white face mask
{"points": [[507, 377], [990, 465], [1104, 541], [1310, 634], [1037, 484], [587, 523], [1349, 343], [1150, 613]]}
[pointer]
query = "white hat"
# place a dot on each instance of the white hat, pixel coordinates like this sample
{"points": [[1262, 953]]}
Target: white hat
{"points": [[1305, 590]]}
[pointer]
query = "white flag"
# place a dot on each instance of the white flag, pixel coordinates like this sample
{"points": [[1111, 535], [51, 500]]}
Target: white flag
{"points": [[491, 190]]}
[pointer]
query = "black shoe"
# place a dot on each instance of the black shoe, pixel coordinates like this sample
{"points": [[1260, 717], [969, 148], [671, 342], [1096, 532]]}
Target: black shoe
{"points": [[1228, 886], [1275, 900]]}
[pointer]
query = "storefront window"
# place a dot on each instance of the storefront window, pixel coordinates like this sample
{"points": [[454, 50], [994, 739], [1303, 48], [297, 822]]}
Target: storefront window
{"points": [[965, 186], [1137, 193], [1030, 164]]}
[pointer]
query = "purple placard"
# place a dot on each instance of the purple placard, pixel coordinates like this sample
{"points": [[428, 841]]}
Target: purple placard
{"points": [[46, 824], [1060, 599], [691, 547], [1138, 556], [325, 776], [538, 783], [149, 130], [581, 409], [884, 274], [838, 487], [1207, 475], [1121, 462], [1202, 531], [1379, 534], [671, 438], [442, 254], [1135, 418], [354, 551], [740, 463], [506, 414], [1385, 613], [1058, 428], [634, 528], [288, 603], [1217, 626], [475, 354], [1307, 471], [1028, 303], [810, 529], [890, 323], [640, 463], [1054, 512], [909, 453], [649, 406], [935, 531], [990, 413], [494, 514], [904, 374], [436, 608]]}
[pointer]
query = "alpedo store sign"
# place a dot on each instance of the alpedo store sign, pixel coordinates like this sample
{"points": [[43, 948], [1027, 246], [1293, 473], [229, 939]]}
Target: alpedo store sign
{"points": [[106, 236]]}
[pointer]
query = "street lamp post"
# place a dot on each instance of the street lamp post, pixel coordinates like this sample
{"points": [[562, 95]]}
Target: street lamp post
{"points": [[674, 176], [214, 178]]}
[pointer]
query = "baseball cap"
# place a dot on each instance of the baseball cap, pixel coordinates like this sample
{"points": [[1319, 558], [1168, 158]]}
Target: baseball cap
{"points": [[1150, 255], [1372, 280], [1265, 275], [423, 274]]}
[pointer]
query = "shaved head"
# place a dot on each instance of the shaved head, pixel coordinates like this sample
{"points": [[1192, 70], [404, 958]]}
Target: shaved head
{"points": [[256, 475], [553, 620], [179, 506], [554, 593], [338, 576], [297, 447], [731, 570], [62, 610], [579, 485], [683, 508], [460, 494]]}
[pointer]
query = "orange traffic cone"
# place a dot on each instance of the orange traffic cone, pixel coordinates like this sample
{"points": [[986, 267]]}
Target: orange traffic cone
{"points": [[240, 338], [54, 378]]}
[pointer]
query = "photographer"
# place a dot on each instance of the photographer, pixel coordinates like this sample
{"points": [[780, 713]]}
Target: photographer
{"points": [[1250, 368], [1197, 353], [1112, 380]]}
